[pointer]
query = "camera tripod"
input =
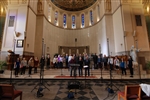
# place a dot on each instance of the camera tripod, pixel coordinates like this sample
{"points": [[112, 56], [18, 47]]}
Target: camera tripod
{"points": [[109, 88], [41, 83]]}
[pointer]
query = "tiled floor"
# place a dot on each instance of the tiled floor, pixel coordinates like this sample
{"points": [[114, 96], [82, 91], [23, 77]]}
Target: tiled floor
{"points": [[89, 89], [93, 88]]}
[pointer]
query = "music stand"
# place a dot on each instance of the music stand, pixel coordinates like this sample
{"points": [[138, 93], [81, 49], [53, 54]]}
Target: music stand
{"points": [[101, 68], [110, 89], [61, 71], [75, 66], [41, 83], [28, 75], [12, 64], [92, 68], [86, 66]]}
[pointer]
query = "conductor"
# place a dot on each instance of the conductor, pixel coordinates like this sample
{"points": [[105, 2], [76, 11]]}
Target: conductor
{"points": [[72, 61]]}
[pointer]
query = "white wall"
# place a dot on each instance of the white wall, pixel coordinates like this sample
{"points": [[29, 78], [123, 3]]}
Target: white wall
{"points": [[118, 31], [21, 26], [102, 39], [20, 13]]}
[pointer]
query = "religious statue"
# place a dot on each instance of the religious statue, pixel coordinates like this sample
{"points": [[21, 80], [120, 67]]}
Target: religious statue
{"points": [[133, 54]]}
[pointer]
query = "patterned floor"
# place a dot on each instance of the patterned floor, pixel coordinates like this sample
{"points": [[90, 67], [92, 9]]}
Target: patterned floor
{"points": [[87, 90]]}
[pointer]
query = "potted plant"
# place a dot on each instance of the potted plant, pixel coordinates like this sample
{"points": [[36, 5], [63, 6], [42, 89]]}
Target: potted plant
{"points": [[2, 65], [148, 67]]}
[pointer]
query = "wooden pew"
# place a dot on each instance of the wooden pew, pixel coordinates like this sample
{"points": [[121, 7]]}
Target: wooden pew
{"points": [[130, 92], [8, 92]]}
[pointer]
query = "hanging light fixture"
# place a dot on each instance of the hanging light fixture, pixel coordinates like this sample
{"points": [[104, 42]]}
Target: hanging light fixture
{"points": [[147, 9], [2, 10]]}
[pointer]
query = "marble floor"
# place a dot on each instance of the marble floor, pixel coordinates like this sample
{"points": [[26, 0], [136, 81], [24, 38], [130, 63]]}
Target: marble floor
{"points": [[58, 89], [56, 82]]}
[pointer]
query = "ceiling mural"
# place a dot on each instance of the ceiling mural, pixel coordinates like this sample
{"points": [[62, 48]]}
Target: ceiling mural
{"points": [[73, 5]]}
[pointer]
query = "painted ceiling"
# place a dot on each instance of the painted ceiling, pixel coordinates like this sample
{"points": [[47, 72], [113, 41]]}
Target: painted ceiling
{"points": [[73, 5]]}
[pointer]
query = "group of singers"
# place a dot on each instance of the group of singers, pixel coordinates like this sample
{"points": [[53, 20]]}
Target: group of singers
{"points": [[20, 65], [114, 63], [79, 60], [82, 61]]}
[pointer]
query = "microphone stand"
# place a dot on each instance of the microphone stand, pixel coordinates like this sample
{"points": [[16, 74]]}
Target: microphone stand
{"points": [[12, 61]]}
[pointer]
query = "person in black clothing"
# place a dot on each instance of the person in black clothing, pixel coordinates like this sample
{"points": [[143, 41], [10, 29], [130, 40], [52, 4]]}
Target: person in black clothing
{"points": [[17, 64], [48, 61], [130, 65], [66, 60], [95, 58], [76, 58], [81, 66], [105, 61], [87, 63], [42, 62]]}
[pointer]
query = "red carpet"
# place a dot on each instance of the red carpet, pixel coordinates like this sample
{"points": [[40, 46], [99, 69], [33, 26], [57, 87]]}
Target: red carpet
{"points": [[78, 77]]}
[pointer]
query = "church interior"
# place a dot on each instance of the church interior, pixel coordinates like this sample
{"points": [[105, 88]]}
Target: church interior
{"points": [[94, 49]]}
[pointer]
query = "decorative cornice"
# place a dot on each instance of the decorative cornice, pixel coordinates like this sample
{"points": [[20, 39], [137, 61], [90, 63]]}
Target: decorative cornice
{"points": [[146, 6], [73, 5], [3, 3]]}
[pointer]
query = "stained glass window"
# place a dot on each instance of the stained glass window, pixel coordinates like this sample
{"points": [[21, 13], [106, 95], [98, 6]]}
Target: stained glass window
{"points": [[73, 22], [64, 20], [56, 18], [49, 13], [91, 17], [98, 12], [82, 20]]}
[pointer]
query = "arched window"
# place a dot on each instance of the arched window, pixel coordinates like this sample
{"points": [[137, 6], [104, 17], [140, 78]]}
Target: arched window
{"points": [[49, 13], [56, 18], [82, 20], [73, 22], [91, 17], [98, 12], [64, 20]]}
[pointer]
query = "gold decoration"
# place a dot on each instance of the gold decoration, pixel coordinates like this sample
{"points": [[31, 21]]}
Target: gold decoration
{"points": [[40, 6], [9, 51], [73, 5], [146, 6], [108, 5], [17, 34]]}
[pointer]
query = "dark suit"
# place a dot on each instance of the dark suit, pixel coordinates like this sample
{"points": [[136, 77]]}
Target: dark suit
{"points": [[72, 61], [87, 63]]}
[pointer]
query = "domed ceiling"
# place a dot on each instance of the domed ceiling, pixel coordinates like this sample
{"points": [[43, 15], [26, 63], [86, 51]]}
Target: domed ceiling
{"points": [[73, 5]]}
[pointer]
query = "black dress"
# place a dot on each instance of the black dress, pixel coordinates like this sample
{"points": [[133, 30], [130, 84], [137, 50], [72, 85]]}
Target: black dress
{"points": [[48, 62], [130, 65]]}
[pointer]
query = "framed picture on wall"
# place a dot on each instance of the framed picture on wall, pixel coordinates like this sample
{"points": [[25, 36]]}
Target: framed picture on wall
{"points": [[11, 21], [20, 43]]}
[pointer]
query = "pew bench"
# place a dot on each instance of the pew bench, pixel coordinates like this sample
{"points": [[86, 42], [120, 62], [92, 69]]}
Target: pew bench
{"points": [[7, 92], [130, 92]]}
